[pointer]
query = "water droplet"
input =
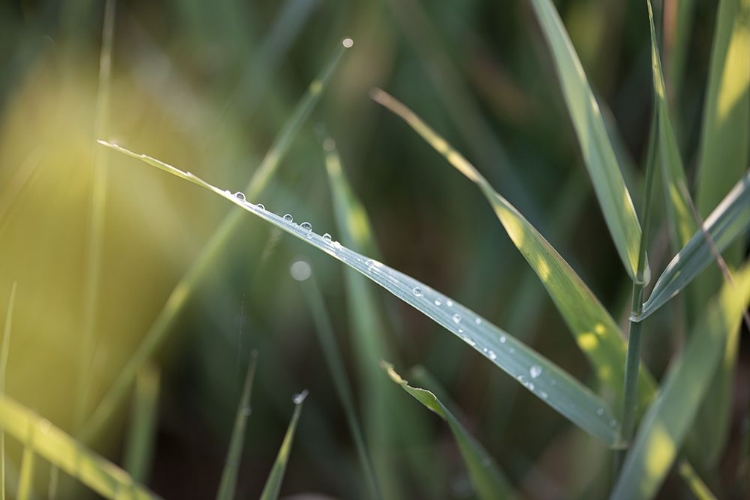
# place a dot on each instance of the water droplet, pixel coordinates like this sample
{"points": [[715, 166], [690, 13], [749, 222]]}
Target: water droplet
{"points": [[543, 394], [300, 270], [478, 320], [306, 226], [288, 217], [456, 318], [417, 291], [530, 386], [347, 43], [299, 398], [327, 238], [438, 302], [600, 411], [502, 339], [336, 245], [310, 235], [247, 411], [260, 206], [492, 355], [535, 371], [613, 423], [449, 303], [240, 195], [369, 263], [470, 342]]}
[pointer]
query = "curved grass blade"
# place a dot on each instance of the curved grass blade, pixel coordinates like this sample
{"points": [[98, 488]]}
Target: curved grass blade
{"points": [[543, 378], [593, 328], [162, 325], [3, 366], [67, 454], [139, 451], [598, 154], [489, 482], [666, 422], [335, 364], [231, 466], [273, 483], [726, 223]]}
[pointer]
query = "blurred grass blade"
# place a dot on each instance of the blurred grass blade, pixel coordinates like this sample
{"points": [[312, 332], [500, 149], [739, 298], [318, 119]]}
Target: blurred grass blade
{"points": [[598, 154], [335, 364], [26, 478], [162, 325], [539, 375], [3, 367], [593, 328], [726, 223], [231, 466], [666, 422], [698, 488], [489, 482], [276, 477], [67, 454], [139, 448]]}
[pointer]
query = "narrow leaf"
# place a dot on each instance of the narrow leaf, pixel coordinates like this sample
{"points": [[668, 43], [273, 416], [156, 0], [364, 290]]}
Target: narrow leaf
{"points": [[3, 368], [598, 154], [489, 482], [593, 328], [667, 421], [67, 454], [726, 223], [234, 455], [273, 483], [551, 384], [139, 448]]}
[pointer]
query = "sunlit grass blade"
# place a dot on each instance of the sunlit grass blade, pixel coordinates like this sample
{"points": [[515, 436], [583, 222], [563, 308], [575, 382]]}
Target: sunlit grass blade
{"points": [[28, 458], [489, 482], [162, 325], [234, 455], [593, 328], [726, 223], [697, 486], [598, 154], [276, 477], [139, 448], [67, 454], [666, 422], [3, 367], [334, 360], [543, 378]]}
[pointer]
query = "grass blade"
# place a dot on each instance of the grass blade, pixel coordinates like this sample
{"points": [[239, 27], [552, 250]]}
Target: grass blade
{"points": [[598, 154], [593, 328], [3, 366], [27, 466], [335, 364], [726, 223], [489, 482], [275, 478], [551, 384], [67, 454], [667, 421], [139, 449], [162, 325], [231, 467]]}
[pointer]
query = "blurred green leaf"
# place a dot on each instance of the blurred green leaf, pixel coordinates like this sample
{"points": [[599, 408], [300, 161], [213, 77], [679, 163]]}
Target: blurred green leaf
{"points": [[598, 154], [234, 455], [488, 480], [139, 447], [70, 456], [3, 367], [726, 223], [540, 376], [276, 477], [596, 333], [667, 421]]}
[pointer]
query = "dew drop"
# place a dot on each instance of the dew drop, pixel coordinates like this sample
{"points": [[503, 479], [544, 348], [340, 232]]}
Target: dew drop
{"points": [[502, 339], [449, 303], [543, 394], [438, 302], [260, 206], [535, 371], [288, 217], [417, 291], [310, 235], [492, 355], [327, 238], [600, 411], [299, 398], [306, 226], [247, 411], [369, 263], [456, 318], [240, 195], [300, 270], [530, 386], [613, 423], [477, 321], [336, 245]]}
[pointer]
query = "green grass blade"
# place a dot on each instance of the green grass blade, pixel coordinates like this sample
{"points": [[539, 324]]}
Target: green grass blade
{"points": [[231, 466], [162, 325], [698, 488], [726, 223], [593, 328], [275, 478], [334, 360], [489, 482], [67, 454], [551, 384], [3, 367], [666, 422], [26, 477], [598, 154], [139, 448]]}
